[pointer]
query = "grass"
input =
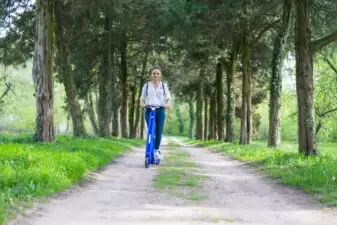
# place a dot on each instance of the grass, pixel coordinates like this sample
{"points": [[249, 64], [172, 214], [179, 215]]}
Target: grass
{"points": [[314, 175], [224, 219], [177, 176], [30, 170]]}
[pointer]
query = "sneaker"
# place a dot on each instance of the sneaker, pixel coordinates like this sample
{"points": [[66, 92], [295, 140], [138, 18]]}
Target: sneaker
{"points": [[160, 156], [156, 154]]}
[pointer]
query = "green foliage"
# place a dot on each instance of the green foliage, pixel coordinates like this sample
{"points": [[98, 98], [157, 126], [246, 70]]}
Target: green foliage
{"points": [[18, 108], [326, 96], [325, 100], [29, 170], [17, 31], [172, 124], [316, 175]]}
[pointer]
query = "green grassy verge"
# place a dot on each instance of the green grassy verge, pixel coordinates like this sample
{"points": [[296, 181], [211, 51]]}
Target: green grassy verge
{"points": [[31, 170], [177, 176], [315, 175]]}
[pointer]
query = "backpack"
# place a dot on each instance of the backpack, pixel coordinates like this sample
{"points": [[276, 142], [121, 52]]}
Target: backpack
{"points": [[147, 87]]}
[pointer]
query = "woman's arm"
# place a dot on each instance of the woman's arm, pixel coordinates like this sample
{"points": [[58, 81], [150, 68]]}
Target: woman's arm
{"points": [[143, 97], [168, 97], [168, 104]]}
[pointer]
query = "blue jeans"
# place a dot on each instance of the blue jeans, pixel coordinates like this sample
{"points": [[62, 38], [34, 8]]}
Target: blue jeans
{"points": [[160, 119]]}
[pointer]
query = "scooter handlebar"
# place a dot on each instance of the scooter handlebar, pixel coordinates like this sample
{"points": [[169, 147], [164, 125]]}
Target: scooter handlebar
{"points": [[152, 106]]}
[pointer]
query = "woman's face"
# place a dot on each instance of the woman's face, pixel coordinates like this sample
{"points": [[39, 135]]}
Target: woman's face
{"points": [[155, 75]]}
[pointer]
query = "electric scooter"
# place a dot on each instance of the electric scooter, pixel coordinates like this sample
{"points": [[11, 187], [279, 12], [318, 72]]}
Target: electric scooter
{"points": [[150, 158]]}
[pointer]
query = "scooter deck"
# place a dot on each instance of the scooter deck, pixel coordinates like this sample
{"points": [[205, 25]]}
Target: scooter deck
{"points": [[149, 153]]}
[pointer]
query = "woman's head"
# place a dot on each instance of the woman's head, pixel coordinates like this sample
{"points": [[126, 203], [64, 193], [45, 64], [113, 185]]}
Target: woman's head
{"points": [[155, 73]]}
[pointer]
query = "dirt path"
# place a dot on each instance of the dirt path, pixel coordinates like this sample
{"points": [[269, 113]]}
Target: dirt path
{"points": [[123, 194]]}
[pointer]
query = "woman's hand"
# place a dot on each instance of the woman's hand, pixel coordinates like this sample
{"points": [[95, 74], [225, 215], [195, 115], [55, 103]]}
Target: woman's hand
{"points": [[168, 104]]}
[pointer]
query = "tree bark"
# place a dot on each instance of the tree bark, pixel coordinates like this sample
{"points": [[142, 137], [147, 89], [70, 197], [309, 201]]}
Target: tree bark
{"points": [[43, 72], [192, 118], [246, 118], [142, 124], [199, 124], [68, 123], [220, 100], [215, 127], [115, 121], [114, 101], [230, 111], [180, 120], [141, 84], [124, 108], [133, 90], [305, 50], [304, 80], [274, 138], [206, 117], [212, 109], [91, 113], [74, 107], [104, 103]]}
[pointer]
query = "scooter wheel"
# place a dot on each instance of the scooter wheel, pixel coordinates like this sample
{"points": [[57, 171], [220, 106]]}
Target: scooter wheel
{"points": [[147, 162], [158, 162]]}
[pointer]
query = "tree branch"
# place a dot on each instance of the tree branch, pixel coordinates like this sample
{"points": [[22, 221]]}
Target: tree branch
{"points": [[225, 63], [263, 10], [8, 88], [319, 126], [327, 112], [265, 29], [331, 65], [320, 115], [321, 43]]}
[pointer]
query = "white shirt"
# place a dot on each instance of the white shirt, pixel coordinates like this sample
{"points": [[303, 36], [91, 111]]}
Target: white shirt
{"points": [[155, 96]]}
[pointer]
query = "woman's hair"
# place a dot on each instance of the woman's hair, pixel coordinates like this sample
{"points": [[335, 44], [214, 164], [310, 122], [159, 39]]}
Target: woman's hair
{"points": [[155, 68]]}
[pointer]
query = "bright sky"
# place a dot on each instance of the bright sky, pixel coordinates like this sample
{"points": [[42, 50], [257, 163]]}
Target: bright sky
{"points": [[289, 70]]}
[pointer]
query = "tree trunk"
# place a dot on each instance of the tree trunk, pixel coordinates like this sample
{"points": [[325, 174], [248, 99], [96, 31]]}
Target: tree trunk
{"points": [[141, 84], [105, 108], [142, 124], [115, 121], [206, 118], [192, 119], [274, 138], [43, 72], [212, 112], [114, 100], [124, 108], [136, 128], [91, 113], [215, 127], [246, 118], [220, 100], [199, 125], [68, 123], [230, 111], [304, 80], [74, 107], [133, 91], [180, 120]]}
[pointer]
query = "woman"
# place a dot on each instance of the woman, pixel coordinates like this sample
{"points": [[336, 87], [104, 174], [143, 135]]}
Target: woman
{"points": [[156, 93]]}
